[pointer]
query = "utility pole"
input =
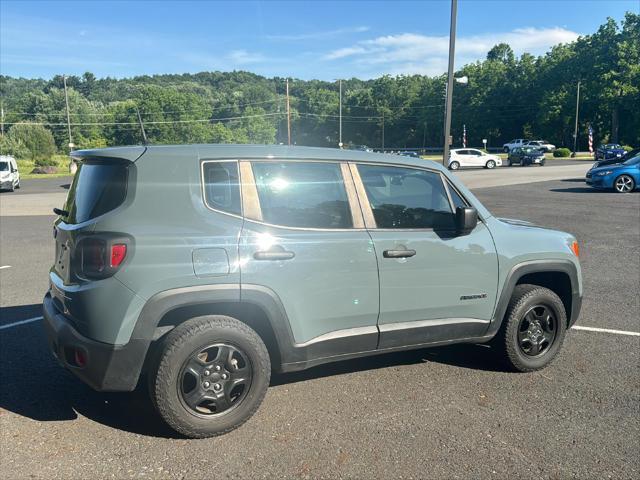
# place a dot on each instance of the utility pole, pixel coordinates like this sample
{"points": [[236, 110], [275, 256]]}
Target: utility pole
{"points": [[288, 116], [340, 134], [2, 120], [66, 102], [449, 101], [382, 132], [144, 134], [424, 137], [575, 131]]}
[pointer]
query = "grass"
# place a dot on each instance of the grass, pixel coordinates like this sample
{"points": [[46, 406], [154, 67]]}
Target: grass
{"points": [[25, 167]]}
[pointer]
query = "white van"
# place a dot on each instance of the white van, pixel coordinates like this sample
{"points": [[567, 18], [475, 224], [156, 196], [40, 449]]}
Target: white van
{"points": [[9, 174]]}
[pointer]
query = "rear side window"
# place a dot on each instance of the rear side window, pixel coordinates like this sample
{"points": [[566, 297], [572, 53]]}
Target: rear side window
{"points": [[406, 198], [222, 186], [97, 188], [302, 194]]}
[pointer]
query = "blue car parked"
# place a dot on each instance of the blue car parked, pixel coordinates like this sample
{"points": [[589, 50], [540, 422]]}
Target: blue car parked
{"points": [[623, 177]]}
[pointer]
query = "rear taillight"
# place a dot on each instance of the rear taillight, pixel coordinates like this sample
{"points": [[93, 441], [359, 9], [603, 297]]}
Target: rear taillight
{"points": [[118, 252], [101, 255], [94, 253]]}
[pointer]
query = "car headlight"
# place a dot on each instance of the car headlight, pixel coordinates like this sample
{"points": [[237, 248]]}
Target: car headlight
{"points": [[606, 172]]}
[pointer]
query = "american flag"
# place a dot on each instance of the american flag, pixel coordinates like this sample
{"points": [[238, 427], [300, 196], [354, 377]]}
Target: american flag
{"points": [[590, 140], [464, 136]]}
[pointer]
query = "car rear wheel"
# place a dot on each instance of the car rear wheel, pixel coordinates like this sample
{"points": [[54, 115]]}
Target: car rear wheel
{"points": [[506, 149], [454, 166], [624, 184], [533, 329], [211, 376], [491, 164]]}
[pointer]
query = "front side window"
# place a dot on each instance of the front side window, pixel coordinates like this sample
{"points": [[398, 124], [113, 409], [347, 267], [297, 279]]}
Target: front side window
{"points": [[406, 198], [221, 186], [4, 166], [302, 194]]}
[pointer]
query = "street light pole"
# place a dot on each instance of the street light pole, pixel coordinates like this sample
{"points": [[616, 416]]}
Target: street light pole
{"points": [[575, 131], [288, 116], [449, 101], [340, 134], [66, 102]]}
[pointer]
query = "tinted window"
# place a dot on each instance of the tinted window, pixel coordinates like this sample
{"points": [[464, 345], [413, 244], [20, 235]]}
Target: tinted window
{"points": [[221, 186], [4, 166], [406, 198], [97, 188], [302, 194]]}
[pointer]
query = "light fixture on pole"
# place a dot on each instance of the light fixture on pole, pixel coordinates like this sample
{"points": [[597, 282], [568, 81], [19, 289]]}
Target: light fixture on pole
{"points": [[449, 91]]}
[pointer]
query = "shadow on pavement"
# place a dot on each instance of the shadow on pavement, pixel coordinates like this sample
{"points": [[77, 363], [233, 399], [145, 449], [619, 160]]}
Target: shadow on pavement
{"points": [[580, 190], [476, 357], [36, 387]]}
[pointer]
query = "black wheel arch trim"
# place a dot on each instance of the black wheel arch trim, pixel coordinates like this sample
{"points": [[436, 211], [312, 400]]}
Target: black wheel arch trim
{"points": [[536, 266]]}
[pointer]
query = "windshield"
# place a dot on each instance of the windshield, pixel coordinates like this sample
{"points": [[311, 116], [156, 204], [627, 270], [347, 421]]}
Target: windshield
{"points": [[4, 166], [530, 149], [632, 161]]}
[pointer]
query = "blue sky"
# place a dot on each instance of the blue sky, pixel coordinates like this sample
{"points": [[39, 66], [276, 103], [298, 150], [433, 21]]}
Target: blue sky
{"points": [[320, 39]]}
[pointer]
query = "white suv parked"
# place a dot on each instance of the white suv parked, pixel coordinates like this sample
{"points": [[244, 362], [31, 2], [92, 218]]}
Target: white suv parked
{"points": [[518, 142], [9, 174], [472, 157]]}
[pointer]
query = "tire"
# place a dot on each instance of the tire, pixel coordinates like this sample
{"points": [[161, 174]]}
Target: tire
{"points": [[17, 185], [209, 353], [527, 302], [509, 164], [506, 149], [542, 163], [454, 165], [491, 164], [624, 184]]}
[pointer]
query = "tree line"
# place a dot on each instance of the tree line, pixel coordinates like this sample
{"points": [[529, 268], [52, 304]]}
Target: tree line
{"points": [[506, 97]]}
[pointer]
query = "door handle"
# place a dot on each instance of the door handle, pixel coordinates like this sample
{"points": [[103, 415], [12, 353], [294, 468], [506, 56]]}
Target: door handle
{"points": [[274, 253], [398, 253]]}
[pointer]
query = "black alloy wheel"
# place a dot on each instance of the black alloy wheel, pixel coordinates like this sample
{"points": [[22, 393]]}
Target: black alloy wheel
{"points": [[215, 379], [537, 331]]}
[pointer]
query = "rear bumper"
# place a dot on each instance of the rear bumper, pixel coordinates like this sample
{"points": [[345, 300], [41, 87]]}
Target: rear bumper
{"points": [[108, 367]]}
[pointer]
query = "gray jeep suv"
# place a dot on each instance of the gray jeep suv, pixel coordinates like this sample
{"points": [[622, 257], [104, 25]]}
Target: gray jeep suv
{"points": [[203, 268]]}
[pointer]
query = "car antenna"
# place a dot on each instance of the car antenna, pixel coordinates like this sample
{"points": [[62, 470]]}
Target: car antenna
{"points": [[144, 135]]}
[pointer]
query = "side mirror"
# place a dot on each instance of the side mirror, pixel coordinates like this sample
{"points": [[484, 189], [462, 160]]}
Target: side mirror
{"points": [[466, 220]]}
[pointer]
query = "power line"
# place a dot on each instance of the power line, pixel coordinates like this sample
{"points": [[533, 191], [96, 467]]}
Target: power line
{"points": [[158, 122]]}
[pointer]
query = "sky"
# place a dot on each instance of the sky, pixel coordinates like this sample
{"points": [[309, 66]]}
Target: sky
{"points": [[311, 39]]}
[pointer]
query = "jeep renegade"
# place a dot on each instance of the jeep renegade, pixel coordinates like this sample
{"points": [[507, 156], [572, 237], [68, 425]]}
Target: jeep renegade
{"points": [[203, 268]]}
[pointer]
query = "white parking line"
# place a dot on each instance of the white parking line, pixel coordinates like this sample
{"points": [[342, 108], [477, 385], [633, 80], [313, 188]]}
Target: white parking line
{"points": [[5, 266], [605, 330], [21, 322]]}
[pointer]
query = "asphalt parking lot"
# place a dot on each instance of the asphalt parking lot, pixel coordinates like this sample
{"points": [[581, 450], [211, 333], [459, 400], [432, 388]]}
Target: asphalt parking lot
{"points": [[448, 412]]}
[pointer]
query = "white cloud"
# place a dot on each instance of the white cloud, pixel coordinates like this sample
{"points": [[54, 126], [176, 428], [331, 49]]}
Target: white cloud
{"points": [[319, 35], [410, 53], [243, 57]]}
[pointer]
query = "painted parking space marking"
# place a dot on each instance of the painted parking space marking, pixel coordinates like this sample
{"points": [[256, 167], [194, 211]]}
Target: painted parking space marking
{"points": [[21, 322], [606, 330], [5, 266]]}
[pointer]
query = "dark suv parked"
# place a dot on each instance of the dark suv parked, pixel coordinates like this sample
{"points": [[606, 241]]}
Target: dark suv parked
{"points": [[526, 156], [202, 268]]}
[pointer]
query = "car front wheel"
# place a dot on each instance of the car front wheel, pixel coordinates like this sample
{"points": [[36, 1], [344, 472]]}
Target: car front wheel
{"points": [[211, 376], [533, 329], [624, 184], [491, 164]]}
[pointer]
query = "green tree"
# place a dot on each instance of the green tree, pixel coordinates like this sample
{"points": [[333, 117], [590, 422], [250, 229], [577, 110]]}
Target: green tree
{"points": [[37, 141]]}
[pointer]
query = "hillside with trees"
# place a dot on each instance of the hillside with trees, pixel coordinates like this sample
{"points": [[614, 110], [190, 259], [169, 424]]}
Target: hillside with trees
{"points": [[506, 97]]}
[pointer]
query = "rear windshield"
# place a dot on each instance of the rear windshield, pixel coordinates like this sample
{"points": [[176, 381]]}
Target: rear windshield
{"points": [[97, 189]]}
